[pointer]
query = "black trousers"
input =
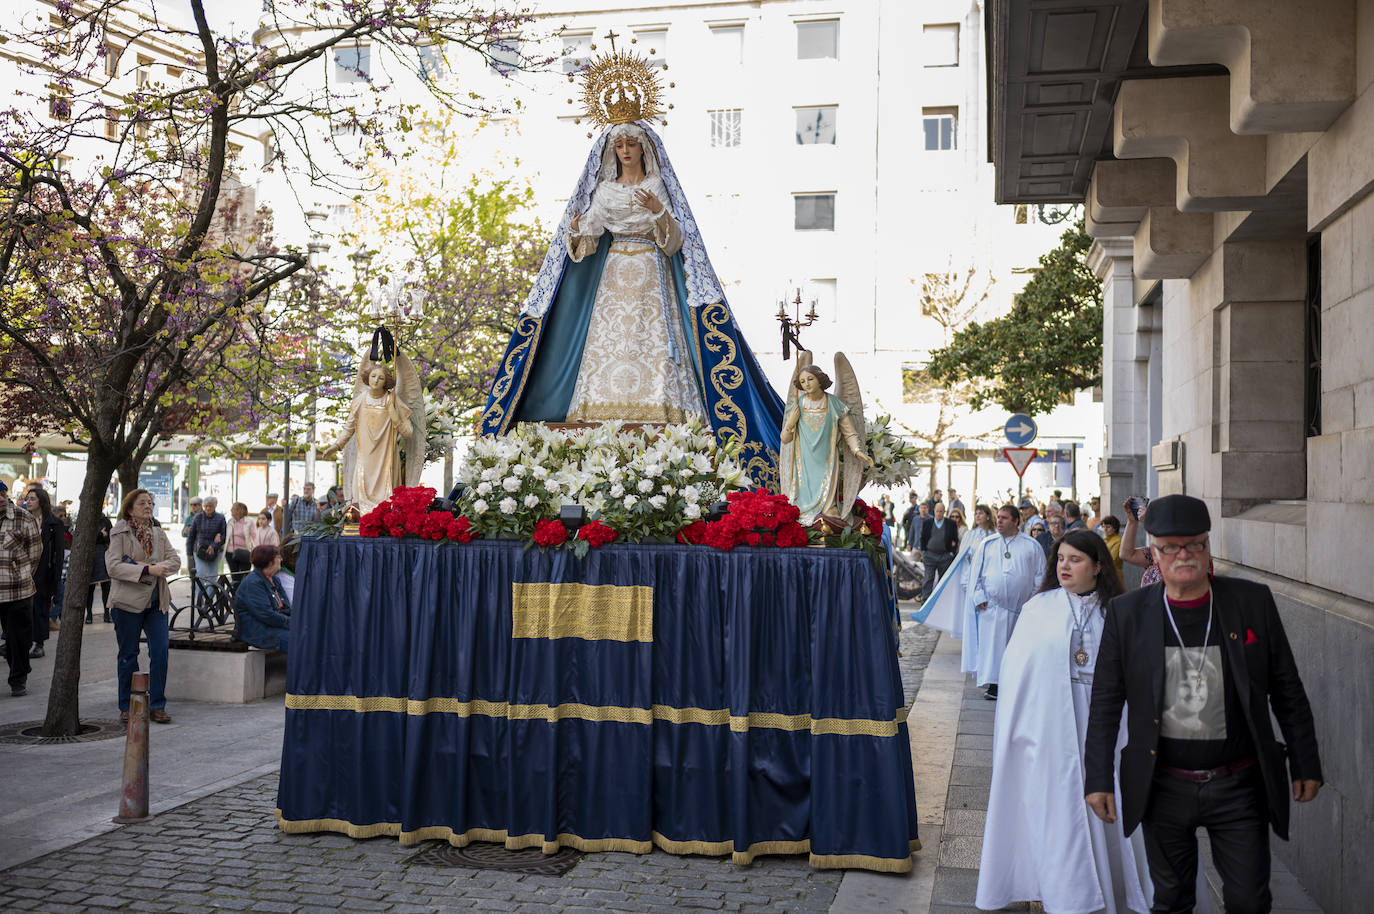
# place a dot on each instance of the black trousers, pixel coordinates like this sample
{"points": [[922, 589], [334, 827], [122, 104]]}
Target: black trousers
{"points": [[1236, 816], [934, 561], [16, 617]]}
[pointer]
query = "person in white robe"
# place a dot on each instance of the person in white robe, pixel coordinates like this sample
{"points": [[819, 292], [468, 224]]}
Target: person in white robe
{"points": [[967, 626], [948, 607], [1006, 570], [1041, 842]]}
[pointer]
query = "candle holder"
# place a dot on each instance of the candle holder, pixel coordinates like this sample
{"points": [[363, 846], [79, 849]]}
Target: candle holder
{"points": [[790, 325]]}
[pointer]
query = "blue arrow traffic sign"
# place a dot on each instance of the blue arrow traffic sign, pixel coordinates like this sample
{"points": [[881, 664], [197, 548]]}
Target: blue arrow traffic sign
{"points": [[1020, 430]]}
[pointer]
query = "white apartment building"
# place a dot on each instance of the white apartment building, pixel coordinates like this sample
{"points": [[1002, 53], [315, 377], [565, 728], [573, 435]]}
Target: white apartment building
{"points": [[837, 149]]}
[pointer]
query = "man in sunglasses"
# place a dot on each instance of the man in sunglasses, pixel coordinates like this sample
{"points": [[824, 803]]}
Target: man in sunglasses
{"points": [[1199, 662]]}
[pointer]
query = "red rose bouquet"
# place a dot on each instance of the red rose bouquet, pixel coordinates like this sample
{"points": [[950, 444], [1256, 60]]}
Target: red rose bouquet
{"points": [[596, 534], [410, 512], [549, 533], [755, 517]]}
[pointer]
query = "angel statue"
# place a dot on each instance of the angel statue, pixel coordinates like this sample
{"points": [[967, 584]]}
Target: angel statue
{"points": [[388, 409], [627, 319], [814, 476]]}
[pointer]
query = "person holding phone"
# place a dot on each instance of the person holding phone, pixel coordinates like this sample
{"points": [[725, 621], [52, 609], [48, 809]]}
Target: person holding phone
{"points": [[140, 559], [1141, 557]]}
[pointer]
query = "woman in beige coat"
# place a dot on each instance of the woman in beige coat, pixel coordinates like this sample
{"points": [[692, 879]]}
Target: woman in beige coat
{"points": [[140, 559]]}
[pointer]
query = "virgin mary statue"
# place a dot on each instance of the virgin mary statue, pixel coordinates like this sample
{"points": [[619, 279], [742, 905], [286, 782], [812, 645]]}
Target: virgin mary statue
{"points": [[626, 320]]}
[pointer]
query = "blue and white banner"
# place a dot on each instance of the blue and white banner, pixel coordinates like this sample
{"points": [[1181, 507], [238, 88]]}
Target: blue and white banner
{"points": [[945, 608]]}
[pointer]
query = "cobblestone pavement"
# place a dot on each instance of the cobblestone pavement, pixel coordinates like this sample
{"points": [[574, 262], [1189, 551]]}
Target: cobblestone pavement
{"points": [[224, 852], [915, 643]]}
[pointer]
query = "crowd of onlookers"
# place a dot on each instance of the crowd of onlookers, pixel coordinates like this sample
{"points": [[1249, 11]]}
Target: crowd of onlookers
{"points": [[132, 567], [937, 528]]}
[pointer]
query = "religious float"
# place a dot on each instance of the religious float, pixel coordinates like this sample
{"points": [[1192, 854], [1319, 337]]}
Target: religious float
{"points": [[612, 636]]}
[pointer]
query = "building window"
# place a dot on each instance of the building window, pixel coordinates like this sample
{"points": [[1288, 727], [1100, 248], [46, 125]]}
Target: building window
{"points": [[825, 298], [729, 43], [432, 62], [144, 71], [505, 55], [941, 45], [940, 125], [59, 104], [577, 50], [64, 167], [233, 156], [725, 126], [111, 59], [818, 40], [814, 212], [653, 44], [111, 122], [141, 130], [269, 151], [353, 65], [816, 125]]}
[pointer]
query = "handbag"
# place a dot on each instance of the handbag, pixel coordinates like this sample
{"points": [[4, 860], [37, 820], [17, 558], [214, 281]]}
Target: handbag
{"points": [[208, 553], [241, 556]]}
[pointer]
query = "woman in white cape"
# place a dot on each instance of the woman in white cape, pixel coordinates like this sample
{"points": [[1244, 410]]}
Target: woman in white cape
{"points": [[1041, 842]]}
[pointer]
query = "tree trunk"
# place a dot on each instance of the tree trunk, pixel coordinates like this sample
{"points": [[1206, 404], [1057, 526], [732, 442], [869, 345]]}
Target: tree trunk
{"points": [[63, 716], [128, 474]]}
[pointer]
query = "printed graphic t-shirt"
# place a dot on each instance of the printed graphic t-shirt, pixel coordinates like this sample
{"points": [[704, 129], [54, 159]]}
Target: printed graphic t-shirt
{"points": [[1202, 725]]}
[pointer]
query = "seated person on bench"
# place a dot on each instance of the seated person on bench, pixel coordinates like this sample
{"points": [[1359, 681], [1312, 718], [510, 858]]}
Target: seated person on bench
{"points": [[261, 603]]}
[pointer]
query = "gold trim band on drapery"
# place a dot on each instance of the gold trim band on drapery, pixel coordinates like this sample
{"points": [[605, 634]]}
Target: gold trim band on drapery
{"points": [[755, 720], [595, 845], [592, 612]]}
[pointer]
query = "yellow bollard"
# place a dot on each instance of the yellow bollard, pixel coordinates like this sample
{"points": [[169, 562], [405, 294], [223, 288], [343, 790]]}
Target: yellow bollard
{"points": [[133, 799]]}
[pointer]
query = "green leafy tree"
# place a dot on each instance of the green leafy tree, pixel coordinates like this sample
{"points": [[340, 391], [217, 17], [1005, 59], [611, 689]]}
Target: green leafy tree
{"points": [[1048, 347]]}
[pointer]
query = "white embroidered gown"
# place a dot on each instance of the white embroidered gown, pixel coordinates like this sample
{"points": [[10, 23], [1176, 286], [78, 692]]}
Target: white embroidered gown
{"points": [[636, 364]]}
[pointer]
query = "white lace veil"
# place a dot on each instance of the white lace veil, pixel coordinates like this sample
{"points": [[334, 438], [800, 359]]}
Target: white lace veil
{"points": [[609, 163]]}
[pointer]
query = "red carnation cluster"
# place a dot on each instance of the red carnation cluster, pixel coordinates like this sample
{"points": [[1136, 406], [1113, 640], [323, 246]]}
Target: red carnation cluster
{"points": [[870, 515], [407, 513], [550, 533], [755, 517], [597, 534]]}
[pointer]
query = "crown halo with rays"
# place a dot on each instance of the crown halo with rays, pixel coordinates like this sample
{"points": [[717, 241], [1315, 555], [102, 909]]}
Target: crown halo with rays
{"points": [[620, 87]]}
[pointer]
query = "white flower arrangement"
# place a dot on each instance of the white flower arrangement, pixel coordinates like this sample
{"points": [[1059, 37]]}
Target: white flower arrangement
{"points": [[645, 485], [895, 460]]}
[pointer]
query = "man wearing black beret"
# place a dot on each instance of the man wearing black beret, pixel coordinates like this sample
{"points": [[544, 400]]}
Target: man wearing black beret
{"points": [[1199, 662]]}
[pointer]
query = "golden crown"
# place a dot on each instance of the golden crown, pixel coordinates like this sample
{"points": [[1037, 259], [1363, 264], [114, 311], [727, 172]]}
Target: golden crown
{"points": [[620, 87]]}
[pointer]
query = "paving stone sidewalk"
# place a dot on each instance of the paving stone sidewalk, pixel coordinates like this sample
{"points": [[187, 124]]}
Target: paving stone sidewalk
{"points": [[224, 852]]}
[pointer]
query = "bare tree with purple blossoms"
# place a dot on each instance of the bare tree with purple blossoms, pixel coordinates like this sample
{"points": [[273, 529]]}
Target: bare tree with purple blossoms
{"points": [[130, 283]]}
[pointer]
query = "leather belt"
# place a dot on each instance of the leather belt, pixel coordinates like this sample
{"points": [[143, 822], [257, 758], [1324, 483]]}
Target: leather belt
{"points": [[1206, 774]]}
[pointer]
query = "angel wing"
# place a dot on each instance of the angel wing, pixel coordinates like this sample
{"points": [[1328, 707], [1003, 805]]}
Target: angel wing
{"points": [[411, 392], [785, 451], [847, 389]]}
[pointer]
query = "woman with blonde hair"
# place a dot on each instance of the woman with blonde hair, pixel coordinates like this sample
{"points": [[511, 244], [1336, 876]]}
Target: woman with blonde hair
{"points": [[239, 541], [140, 559]]}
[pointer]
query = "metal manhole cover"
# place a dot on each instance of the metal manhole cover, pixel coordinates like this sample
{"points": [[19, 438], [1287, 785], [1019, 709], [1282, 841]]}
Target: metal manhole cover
{"points": [[482, 855], [30, 733]]}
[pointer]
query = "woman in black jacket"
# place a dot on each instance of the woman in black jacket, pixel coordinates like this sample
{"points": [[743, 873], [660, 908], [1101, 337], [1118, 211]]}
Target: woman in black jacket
{"points": [[99, 573], [48, 575]]}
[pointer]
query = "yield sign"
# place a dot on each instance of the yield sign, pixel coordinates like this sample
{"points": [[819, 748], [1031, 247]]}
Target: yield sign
{"points": [[1019, 458]]}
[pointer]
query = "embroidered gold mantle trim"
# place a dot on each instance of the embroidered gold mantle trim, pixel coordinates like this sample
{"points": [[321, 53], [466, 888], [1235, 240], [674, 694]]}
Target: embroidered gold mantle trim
{"points": [[710, 717], [592, 612]]}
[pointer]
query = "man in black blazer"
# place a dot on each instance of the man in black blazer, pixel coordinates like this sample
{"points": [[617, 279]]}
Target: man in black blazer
{"points": [[1199, 662]]}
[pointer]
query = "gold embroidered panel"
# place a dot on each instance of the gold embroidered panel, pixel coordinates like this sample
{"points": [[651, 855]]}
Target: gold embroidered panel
{"points": [[592, 612]]}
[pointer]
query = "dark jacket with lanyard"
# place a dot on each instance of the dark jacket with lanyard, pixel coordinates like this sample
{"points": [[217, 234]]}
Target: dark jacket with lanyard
{"points": [[1257, 663]]}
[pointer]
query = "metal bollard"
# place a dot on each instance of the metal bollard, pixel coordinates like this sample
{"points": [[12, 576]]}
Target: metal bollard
{"points": [[133, 799]]}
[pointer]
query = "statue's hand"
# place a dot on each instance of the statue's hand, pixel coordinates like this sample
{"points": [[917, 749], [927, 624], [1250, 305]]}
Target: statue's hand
{"points": [[867, 459], [647, 200], [576, 223]]}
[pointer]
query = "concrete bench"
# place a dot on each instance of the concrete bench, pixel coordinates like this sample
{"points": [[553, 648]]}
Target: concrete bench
{"points": [[225, 671]]}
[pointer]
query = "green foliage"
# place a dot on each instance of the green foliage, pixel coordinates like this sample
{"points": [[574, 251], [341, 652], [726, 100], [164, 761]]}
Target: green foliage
{"points": [[1047, 348]]}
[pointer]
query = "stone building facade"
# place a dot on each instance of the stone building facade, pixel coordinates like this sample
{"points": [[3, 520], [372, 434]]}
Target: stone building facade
{"points": [[1225, 153]]}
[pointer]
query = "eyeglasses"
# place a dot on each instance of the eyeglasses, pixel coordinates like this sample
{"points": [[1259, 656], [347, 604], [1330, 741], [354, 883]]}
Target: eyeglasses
{"points": [[1174, 548]]}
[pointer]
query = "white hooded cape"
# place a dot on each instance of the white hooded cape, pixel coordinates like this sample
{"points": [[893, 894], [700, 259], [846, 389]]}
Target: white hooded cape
{"points": [[1041, 842]]}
